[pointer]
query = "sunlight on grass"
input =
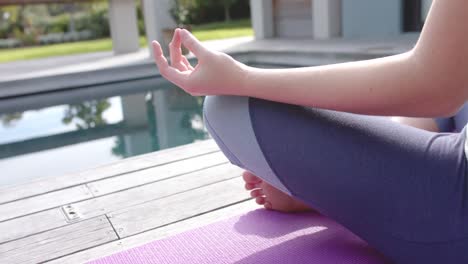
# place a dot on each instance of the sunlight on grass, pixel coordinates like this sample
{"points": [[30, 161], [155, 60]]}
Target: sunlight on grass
{"points": [[218, 30], [55, 50]]}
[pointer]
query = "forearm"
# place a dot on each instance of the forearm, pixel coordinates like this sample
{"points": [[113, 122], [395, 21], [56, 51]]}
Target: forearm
{"points": [[385, 86], [429, 81]]}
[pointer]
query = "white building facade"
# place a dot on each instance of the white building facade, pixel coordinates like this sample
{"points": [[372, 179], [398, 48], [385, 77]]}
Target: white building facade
{"points": [[323, 19], [312, 19]]}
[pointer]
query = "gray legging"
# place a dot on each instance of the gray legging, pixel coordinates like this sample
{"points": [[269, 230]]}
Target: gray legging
{"points": [[402, 189]]}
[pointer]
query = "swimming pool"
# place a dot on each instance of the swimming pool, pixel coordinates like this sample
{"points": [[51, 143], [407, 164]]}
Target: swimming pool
{"points": [[59, 131], [64, 132]]}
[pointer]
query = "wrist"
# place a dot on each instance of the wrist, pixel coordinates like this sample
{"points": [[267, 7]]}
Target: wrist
{"points": [[246, 78], [238, 79]]}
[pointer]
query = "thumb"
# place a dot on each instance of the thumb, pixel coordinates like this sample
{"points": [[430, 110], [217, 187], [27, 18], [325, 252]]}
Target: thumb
{"points": [[192, 43]]}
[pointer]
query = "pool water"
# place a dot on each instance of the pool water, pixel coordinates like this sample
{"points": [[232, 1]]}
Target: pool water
{"points": [[76, 132]]}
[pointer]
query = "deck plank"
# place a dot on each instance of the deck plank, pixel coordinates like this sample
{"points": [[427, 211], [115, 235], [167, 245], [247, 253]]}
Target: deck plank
{"points": [[165, 211], [58, 242], [49, 184], [43, 202], [31, 224], [150, 192], [146, 200], [54, 218], [159, 233], [159, 173]]}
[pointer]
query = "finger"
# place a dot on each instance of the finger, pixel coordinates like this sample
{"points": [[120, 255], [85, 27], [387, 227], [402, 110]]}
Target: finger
{"points": [[158, 55], [176, 52], [189, 41], [187, 63], [170, 73]]}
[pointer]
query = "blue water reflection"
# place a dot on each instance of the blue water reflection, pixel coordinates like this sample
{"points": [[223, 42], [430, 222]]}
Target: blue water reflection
{"points": [[71, 137]]}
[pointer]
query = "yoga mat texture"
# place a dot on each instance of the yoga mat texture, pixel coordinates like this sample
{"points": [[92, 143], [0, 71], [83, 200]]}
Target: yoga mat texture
{"points": [[259, 236]]}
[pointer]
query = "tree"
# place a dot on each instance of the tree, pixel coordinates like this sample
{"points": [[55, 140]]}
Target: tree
{"points": [[88, 114], [71, 8], [10, 119], [227, 9]]}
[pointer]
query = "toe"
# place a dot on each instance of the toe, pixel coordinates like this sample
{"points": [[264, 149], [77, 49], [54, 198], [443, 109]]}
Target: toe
{"points": [[256, 193], [268, 205], [251, 186], [251, 178], [260, 200]]}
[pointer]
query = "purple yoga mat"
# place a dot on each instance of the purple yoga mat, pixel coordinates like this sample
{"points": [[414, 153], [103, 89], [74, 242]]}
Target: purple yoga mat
{"points": [[259, 236]]}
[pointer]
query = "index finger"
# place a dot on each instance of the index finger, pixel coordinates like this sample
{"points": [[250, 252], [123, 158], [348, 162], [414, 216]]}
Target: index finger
{"points": [[158, 56], [176, 51], [170, 73], [192, 43]]}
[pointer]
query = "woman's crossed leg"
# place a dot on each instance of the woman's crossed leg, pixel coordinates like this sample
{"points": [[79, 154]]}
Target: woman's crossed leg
{"points": [[400, 188]]}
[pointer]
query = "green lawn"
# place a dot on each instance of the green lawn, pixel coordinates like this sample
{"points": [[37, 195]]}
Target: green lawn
{"points": [[210, 31]]}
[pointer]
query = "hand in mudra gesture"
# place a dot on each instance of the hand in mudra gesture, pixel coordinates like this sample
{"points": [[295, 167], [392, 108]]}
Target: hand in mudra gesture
{"points": [[215, 74]]}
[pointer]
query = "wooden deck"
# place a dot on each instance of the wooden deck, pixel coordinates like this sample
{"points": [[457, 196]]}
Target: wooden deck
{"points": [[80, 217]]}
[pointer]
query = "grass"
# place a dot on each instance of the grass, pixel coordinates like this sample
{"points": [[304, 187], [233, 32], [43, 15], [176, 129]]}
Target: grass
{"points": [[221, 30], [218, 30]]}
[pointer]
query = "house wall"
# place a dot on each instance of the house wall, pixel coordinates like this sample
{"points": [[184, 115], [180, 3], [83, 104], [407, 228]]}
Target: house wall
{"points": [[293, 18], [123, 26], [327, 18], [425, 8], [371, 18], [322, 19], [157, 18], [262, 18]]}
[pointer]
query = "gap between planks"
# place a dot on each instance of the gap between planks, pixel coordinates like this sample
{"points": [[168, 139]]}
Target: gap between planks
{"points": [[54, 218], [59, 242], [110, 248], [154, 214], [45, 185], [30, 249], [126, 181]]}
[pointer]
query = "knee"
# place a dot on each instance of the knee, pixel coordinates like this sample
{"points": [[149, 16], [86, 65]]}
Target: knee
{"points": [[228, 120], [213, 110], [218, 110], [222, 116]]}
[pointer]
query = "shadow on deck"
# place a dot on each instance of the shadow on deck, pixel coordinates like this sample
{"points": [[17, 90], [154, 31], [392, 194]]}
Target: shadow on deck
{"points": [[79, 217]]}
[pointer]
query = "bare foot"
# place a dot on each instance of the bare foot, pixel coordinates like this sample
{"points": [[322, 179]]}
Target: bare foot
{"points": [[270, 197]]}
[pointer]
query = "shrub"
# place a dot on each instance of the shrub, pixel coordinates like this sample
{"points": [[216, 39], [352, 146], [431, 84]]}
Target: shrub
{"points": [[51, 38], [9, 43], [54, 38], [97, 22], [57, 24], [203, 11]]}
